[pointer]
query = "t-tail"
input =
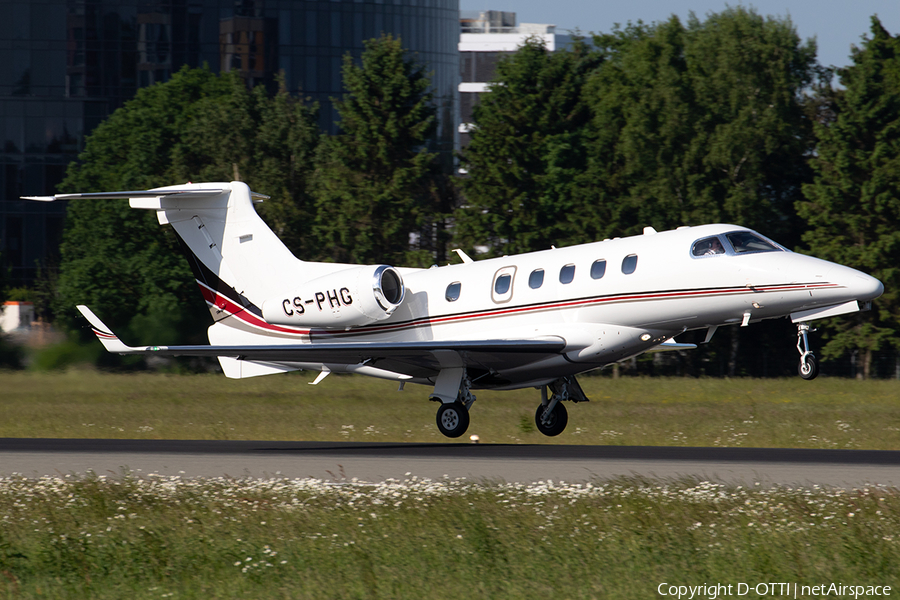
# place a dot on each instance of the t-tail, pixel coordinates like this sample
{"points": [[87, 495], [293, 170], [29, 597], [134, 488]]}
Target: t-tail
{"points": [[257, 291]]}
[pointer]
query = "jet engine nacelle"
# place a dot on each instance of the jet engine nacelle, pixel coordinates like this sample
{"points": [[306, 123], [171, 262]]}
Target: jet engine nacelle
{"points": [[348, 298]]}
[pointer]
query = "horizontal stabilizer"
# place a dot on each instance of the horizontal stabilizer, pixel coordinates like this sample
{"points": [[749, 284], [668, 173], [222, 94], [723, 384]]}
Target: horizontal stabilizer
{"points": [[181, 193]]}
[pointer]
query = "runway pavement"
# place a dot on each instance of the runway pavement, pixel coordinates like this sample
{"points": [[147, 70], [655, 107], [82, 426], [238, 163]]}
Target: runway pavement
{"points": [[495, 462]]}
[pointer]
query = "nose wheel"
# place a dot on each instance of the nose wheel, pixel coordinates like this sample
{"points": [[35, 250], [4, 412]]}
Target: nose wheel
{"points": [[809, 366]]}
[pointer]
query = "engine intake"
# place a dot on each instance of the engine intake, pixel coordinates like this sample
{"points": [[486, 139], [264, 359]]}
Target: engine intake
{"points": [[348, 298]]}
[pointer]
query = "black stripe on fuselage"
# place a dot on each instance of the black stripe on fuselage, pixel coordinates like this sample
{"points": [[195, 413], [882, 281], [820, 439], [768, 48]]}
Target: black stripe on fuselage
{"points": [[642, 296], [205, 275]]}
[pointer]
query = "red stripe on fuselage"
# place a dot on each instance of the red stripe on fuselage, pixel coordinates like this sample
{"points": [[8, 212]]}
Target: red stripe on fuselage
{"points": [[224, 304]]}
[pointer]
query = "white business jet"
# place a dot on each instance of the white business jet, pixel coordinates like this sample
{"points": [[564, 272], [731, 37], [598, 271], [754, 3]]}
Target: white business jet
{"points": [[531, 320]]}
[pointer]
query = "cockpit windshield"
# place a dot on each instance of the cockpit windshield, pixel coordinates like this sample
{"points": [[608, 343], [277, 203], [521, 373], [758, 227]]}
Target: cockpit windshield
{"points": [[735, 242], [745, 242]]}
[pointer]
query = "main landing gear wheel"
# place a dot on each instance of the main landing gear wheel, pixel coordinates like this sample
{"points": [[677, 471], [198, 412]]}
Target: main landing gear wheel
{"points": [[453, 419], [555, 422], [809, 367]]}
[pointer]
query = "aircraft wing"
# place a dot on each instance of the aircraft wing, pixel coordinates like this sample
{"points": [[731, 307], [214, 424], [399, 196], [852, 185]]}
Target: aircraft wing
{"points": [[415, 359]]}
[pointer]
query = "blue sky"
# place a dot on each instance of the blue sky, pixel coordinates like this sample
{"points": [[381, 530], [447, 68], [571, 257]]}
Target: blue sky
{"points": [[836, 24]]}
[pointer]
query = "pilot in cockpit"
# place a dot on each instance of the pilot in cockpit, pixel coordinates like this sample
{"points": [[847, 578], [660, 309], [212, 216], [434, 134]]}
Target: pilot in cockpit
{"points": [[715, 247], [710, 246]]}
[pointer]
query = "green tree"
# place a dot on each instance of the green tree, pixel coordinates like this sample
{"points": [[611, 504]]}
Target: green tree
{"points": [[853, 206], [268, 141], [664, 125], [376, 184], [704, 123], [526, 151], [661, 125], [197, 126]]}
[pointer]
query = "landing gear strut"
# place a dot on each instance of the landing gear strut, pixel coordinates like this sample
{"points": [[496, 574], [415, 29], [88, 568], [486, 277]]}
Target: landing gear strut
{"points": [[809, 366], [453, 415], [551, 416]]}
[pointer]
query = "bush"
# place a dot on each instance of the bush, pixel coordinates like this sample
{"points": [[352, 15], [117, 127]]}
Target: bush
{"points": [[11, 355], [64, 355]]}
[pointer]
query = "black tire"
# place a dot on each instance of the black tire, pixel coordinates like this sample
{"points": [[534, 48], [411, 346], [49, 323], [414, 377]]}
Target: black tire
{"points": [[559, 418], [808, 368], [452, 419]]}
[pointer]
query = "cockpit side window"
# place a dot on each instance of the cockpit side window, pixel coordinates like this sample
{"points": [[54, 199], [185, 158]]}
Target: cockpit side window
{"points": [[745, 242], [710, 246]]}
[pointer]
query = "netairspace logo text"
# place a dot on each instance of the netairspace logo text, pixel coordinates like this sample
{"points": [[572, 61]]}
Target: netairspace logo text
{"points": [[789, 590]]}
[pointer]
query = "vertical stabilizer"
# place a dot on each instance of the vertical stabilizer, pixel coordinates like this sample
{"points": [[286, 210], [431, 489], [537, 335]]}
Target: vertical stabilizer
{"points": [[234, 253]]}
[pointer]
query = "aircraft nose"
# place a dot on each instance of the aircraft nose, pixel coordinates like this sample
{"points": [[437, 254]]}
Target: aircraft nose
{"points": [[871, 287], [861, 286]]}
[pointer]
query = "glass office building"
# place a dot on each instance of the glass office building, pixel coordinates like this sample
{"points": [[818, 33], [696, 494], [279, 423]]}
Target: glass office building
{"points": [[66, 64]]}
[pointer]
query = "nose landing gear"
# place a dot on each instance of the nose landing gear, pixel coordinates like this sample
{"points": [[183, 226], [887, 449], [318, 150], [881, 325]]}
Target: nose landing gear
{"points": [[809, 366]]}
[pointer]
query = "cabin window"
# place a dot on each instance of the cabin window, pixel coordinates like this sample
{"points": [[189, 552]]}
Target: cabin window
{"points": [[536, 279], [501, 286], [710, 246], [745, 242], [629, 264], [453, 290], [567, 274], [598, 269]]}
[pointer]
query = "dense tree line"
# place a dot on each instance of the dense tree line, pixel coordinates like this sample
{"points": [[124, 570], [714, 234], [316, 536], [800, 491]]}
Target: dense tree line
{"points": [[356, 196], [729, 119], [851, 209], [726, 119]]}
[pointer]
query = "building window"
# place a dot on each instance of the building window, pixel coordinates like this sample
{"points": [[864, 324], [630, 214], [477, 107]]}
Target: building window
{"points": [[629, 264], [536, 279], [567, 274]]}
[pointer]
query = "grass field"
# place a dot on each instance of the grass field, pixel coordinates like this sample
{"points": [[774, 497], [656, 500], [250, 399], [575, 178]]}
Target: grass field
{"points": [[154, 537], [172, 538], [824, 413]]}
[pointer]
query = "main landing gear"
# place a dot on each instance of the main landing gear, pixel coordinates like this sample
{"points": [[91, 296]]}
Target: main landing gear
{"points": [[453, 416], [551, 416], [452, 390], [809, 366]]}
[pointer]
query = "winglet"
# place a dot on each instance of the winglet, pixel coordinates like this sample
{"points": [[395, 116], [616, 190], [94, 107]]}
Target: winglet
{"points": [[109, 340]]}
